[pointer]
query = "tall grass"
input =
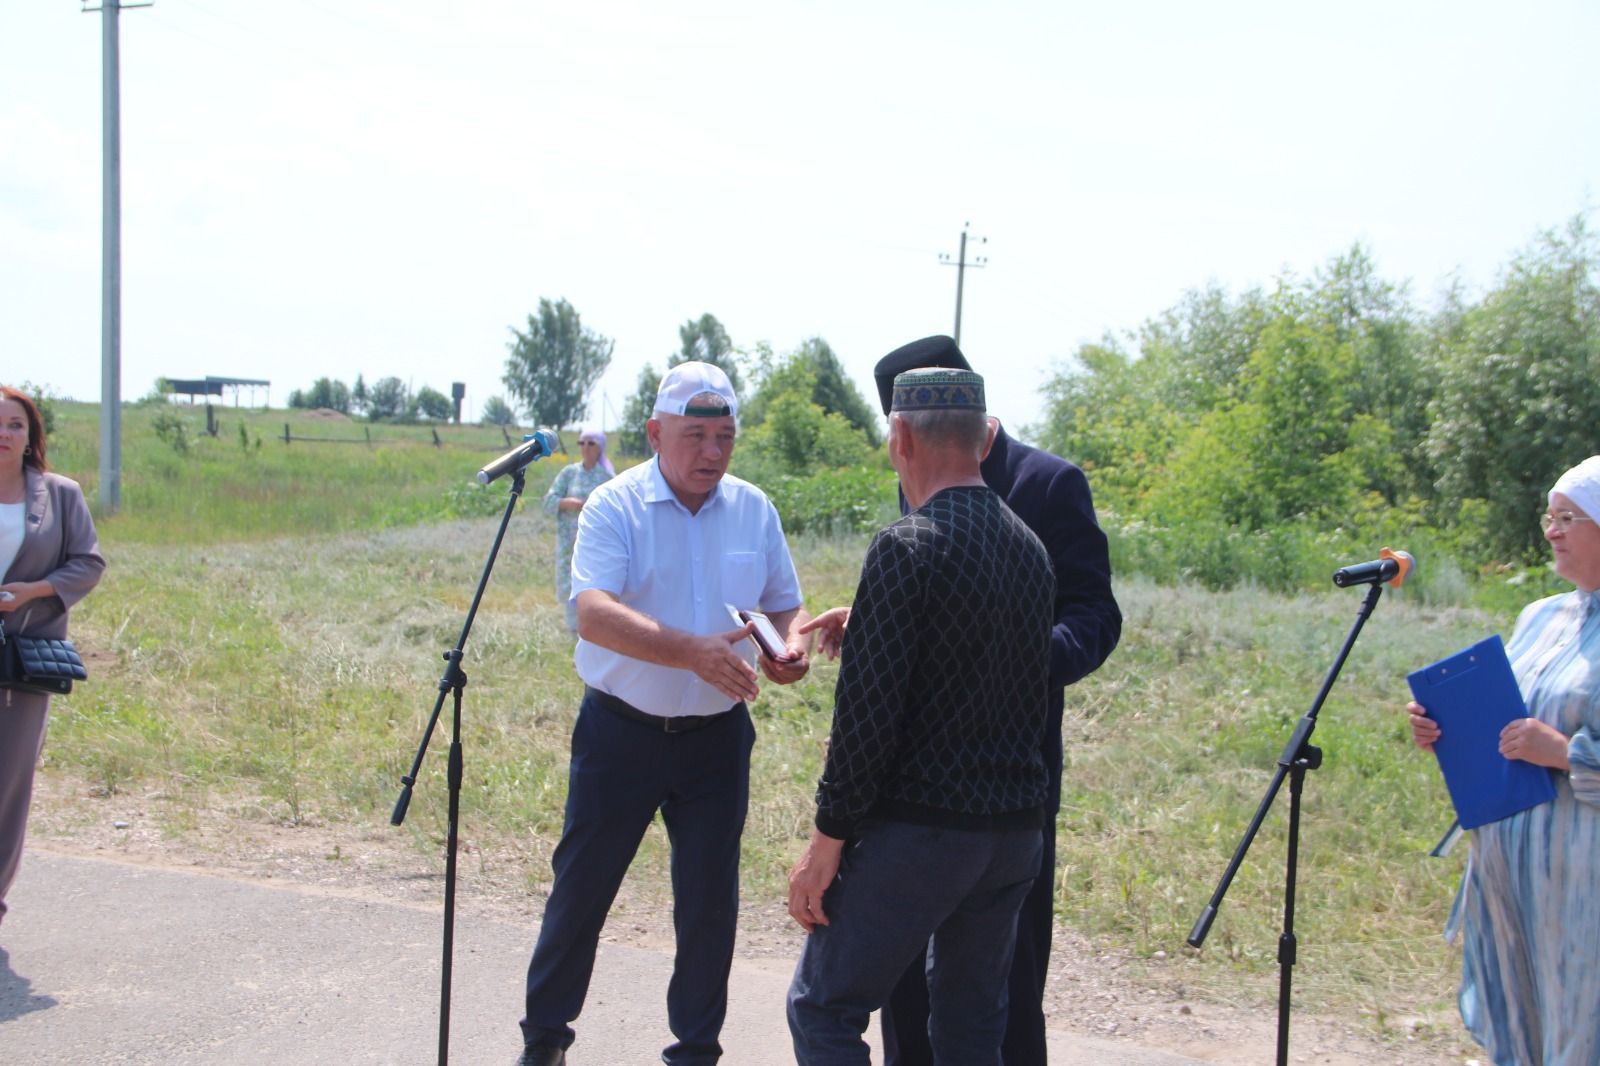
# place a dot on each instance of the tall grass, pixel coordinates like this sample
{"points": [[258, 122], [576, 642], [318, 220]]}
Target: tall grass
{"points": [[1172, 744], [182, 486]]}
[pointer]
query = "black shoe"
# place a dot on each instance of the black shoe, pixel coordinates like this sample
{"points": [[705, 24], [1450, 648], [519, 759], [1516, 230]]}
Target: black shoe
{"points": [[542, 1055]]}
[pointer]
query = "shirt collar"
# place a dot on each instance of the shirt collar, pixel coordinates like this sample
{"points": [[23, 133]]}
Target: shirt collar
{"points": [[658, 491]]}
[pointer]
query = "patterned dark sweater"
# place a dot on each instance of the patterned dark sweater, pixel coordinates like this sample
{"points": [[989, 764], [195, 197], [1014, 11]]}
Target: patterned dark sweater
{"points": [[942, 699]]}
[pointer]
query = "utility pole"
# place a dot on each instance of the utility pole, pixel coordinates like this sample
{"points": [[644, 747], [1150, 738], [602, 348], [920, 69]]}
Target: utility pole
{"points": [[961, 265], [111, 260]]}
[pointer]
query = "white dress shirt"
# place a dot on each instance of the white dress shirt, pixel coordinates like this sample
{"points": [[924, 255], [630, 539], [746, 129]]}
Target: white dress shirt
{"points": [[639, 543]]}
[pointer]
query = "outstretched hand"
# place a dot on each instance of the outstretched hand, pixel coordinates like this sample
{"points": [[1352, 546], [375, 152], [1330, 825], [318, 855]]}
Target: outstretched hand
{"points": [[716, 663], [831, 623]]}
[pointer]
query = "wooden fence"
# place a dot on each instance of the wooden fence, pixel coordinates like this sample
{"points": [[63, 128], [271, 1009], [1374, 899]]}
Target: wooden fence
{"points": [[290, 437]]}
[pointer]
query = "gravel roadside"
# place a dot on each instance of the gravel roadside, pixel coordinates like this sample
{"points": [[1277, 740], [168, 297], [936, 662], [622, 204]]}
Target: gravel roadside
{"points": [[1107, 1000]]}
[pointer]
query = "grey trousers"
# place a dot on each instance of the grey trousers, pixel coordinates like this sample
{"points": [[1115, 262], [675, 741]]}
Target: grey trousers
{"points": [[22, 721]]}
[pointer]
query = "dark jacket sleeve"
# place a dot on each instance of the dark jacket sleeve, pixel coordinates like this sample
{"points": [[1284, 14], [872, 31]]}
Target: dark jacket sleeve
{"points": [[875, 664], [1088, 622]]}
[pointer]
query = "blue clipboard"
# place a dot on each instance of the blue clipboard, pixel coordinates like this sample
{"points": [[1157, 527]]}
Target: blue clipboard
{"points": [[1472, 695]]}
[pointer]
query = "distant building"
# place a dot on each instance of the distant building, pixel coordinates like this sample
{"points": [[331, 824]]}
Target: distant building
{"points": [[215, 386]]}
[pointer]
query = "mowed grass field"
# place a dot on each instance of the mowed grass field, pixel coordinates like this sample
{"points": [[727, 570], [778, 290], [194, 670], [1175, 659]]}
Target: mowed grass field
{"points": [[268, 640]]}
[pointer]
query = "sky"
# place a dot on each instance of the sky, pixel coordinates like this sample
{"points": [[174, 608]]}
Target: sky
{"points": [[316, 188]]}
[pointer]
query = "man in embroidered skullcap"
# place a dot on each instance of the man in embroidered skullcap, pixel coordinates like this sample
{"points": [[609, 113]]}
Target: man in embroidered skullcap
{"points": [[1052, 496], [935, 775]]}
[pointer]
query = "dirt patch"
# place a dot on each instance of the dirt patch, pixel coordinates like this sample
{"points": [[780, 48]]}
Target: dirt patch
{"points": [[1091, 992]]}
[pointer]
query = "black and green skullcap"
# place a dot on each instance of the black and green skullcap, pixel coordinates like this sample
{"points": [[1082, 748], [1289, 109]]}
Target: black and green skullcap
{"points": [[938, 389]]}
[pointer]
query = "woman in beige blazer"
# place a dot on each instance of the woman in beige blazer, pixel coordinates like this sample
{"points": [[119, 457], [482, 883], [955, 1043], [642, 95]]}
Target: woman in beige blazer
{"points": [[49, 559]]}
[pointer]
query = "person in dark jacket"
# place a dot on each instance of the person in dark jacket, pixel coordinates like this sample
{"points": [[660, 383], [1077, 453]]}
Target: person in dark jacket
{"points": [[933, 793], [1052, 496]]}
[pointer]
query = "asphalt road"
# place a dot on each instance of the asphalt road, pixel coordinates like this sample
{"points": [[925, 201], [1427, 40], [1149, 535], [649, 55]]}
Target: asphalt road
{"points": [[110, 962]]}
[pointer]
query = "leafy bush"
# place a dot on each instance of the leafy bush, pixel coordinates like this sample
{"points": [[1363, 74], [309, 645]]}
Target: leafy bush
{"points": [[172, 430], [1231, 414], [389, 398], [1293, 557], [45, 401], [324, 392], [434, 404], [850, 500], [496, 412]]}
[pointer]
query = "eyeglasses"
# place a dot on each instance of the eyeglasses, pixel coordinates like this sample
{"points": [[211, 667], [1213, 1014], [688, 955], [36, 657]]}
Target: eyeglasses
{"points": [[588, 444], [1563, 519]]}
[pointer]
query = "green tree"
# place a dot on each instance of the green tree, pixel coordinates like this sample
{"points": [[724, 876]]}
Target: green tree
{"points": [[1100, 414], [799, 437], [1516, 401], [388, 399], [433, 404], [704, 340], [787, 431], [554, 364], [816, 371], [1392, 385], [325, 392], [1279, 451], [636, 411], [1313, 395], [496, 412], [358, 394]]}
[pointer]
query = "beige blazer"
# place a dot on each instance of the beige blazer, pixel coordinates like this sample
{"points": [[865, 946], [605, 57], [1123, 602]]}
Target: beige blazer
{"points": [[59, 546]]}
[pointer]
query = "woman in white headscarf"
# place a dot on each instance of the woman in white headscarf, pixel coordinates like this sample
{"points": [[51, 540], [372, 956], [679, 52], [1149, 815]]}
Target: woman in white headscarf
{"points": [[565, 499], [1528, 913]]}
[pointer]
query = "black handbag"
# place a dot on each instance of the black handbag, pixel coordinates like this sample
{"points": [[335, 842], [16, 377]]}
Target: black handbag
{"points": [[39, 664]]}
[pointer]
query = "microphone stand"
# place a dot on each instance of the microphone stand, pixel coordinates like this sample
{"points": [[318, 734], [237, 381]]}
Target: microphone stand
{"points": [[1299, 755], [453, 681]]}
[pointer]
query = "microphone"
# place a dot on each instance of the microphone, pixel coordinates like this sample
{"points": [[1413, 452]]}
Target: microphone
{"points": [[536, 445], [1391, 566]]}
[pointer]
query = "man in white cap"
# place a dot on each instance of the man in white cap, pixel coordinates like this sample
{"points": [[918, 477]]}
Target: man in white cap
{"points": [[663, 551]]}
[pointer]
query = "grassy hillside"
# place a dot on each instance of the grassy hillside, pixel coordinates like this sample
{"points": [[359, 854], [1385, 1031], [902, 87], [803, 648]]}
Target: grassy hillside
{"points": [[181, 486], [268, 639]]}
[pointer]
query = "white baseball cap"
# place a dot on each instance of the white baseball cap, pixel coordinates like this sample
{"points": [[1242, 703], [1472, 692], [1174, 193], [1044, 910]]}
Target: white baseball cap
{"points": [[686, 381]]}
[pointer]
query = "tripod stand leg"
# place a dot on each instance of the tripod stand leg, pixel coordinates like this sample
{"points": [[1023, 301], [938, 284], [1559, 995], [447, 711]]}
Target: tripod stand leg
{"points": [[451, 840], [1287, 944]]}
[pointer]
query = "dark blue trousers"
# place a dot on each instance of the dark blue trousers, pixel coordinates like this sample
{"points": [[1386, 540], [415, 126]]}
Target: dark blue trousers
{"points": [[905, 1017], [903, 889], [622, 772]]}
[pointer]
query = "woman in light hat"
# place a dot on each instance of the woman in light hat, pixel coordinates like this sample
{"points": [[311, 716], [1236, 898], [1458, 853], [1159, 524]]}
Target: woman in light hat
{"points": [[565, 499], [1528, 913]]}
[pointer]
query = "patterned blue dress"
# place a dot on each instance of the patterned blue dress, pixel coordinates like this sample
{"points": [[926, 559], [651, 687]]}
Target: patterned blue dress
{"points": [[1528, 912], [573, 480]]}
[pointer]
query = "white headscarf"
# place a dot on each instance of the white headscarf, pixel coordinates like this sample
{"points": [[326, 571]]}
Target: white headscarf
{"points": [[604, 461], [1581, 485]]}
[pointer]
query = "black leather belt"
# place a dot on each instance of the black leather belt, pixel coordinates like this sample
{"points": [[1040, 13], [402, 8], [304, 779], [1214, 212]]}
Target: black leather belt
{"points": [[682, 723]]}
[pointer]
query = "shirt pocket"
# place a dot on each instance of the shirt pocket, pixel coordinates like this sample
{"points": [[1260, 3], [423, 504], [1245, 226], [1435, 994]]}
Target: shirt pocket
{"points": [[744, 577]]}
